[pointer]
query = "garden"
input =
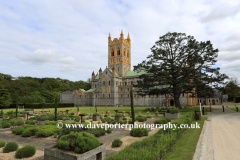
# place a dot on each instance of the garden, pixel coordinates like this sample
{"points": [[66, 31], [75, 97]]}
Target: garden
{"points": [[41, 124]]}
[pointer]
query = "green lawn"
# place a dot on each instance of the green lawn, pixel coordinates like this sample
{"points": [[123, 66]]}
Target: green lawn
{"points": [[234, 108], [91, 110], [185, 147]]}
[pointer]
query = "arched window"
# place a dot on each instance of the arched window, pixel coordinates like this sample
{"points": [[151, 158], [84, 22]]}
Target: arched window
{"points": [[124, 53], [118, 52], [95, 85], [103, 83], [112, 53], [125, 83], [109, 83]]}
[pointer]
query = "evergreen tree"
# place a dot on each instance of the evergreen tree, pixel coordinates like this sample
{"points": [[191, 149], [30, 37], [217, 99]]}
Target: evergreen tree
{"points": [[179, 64]]}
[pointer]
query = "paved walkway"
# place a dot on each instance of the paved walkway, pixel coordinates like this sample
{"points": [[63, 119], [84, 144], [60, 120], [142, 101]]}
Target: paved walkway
{"points": [[220, 138]]}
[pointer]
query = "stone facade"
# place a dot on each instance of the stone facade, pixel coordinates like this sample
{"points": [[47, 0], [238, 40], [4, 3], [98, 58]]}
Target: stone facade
{"points": [[111, 87]]}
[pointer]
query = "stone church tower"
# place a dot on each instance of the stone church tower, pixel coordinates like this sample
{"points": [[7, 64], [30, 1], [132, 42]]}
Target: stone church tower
{"points": [[119, 54]]}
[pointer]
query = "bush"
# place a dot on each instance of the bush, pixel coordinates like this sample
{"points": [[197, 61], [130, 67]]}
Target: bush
{"points": [[125, 122], [65, 118], [18, 130], [168, 119], [30, 122], [149, 116], [78, 142], [103, 120], [2, 144], [26, 151], [159, 122], [117, 143], [118, 115], [55, 135], [141, 119], [120, 122], [18, 122], [105, 115], [96, 114], [164, 120], [130, 121], [32, 118], [109, 130], [139, 132], [113, 122], [26, 133], [109, 122], [77, 119], [6, 125], [72, 113], [124, 118], [11, 146]]}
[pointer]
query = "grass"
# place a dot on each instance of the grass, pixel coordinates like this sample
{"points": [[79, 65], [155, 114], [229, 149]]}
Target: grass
{"points": [[185, 147], [234, 108], [91, 110]]}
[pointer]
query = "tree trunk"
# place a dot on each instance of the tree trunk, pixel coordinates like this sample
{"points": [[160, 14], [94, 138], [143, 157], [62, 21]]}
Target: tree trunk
{"points": [[177, 102], [132, 107]]}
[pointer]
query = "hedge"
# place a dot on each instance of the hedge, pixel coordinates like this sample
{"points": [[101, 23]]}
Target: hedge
{"points": [[41, 105], [156, 146]]}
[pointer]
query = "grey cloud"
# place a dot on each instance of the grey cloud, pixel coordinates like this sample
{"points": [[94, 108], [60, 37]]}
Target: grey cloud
{"points": [[220, 12], [231, 47]]}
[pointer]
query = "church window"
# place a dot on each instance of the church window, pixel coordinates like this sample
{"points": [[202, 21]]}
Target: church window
{"points": [[149, 95], [120, 83], [118, 52], [112, 54], [128, 95], [131, 82], [217, 100], [103, 95], [135, 95], [109, 83], [128, 89], [85, 96], [157, 96], [116, 83], [103, 83], [124, 53], [95, 85], [183, 94], [125, 83], [200, 100], [80, 96], [118, 69], [106, 72], [109, 95], [128, 54], [142, 96], [96, 95], [209, 100], [121, 96]]}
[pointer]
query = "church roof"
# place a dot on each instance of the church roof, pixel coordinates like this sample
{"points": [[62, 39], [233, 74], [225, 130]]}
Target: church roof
{"points": [[134, 73], [116, 74], [97, 76]]}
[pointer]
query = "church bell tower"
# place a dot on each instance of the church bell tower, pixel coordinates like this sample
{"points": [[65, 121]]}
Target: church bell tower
{"points": [[119, 54]]}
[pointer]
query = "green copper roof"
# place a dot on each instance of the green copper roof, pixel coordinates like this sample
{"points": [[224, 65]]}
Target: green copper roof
{"points": [[115, 72], [134, 73], [91, 90], [97, 76]]}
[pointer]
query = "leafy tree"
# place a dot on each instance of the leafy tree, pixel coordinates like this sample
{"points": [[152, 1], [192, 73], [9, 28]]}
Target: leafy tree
{"points": [[4, 98], [178, 64], [232, 88]]}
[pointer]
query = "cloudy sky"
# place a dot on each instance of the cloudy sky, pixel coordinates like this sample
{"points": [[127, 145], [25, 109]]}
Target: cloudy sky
{"points": [[68, 38]]}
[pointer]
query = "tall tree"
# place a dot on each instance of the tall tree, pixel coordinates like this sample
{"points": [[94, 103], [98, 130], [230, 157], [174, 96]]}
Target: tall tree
{"points": [[178, 64], [4, 98], [232, 88]]}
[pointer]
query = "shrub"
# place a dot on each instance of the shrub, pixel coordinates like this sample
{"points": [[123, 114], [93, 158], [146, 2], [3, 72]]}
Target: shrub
{"points": [[65, 118], [141, 119], [139, 132], [32, 118], [77, 119], [26, 133], [18, 122], [51, 123], [96, 114], [118, 115], [44, 133], [120, 122], [113, 122], [130, 121], [109, 130], [30, 122], [109, 122], [55, 135], [6, 125], [125, 122], [72, 113], [117, 143], [168, 119], [51, 118], [26, 151], [18, 130], [2, 144], [124, 118], [159, 122], [103, 120], [78, 142], [149, 116], [164, 120], [105, 115], [11, 146]]}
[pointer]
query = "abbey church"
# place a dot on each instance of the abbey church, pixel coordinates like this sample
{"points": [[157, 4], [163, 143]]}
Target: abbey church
{"points": [[111, 86]]}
